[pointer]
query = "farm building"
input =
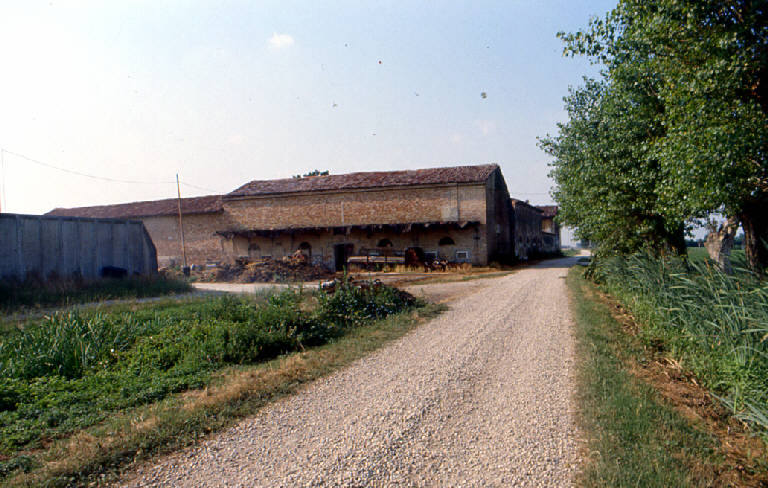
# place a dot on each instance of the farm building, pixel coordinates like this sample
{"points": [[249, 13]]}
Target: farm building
{"points": [[526, 229], [461, 214], [550, 229]]}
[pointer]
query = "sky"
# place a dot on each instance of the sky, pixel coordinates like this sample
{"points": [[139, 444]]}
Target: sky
{"points": [[227, 92]]}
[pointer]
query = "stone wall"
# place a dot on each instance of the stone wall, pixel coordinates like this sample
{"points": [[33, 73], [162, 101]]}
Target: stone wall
{"points": [[69, 246]]}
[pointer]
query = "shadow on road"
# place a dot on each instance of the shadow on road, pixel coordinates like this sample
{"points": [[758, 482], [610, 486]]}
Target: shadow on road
{"points": [[557, 263]]}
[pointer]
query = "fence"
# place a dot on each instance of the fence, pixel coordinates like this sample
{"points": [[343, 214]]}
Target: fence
{"points": [[49, 246]]}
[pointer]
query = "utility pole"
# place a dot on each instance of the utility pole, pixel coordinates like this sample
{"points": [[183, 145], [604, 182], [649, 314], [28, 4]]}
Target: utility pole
{"points": [[2, 179], [185, 269]]}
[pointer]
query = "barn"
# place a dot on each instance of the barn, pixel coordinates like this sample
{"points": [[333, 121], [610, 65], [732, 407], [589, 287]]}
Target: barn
{"points": [[459, 213]]}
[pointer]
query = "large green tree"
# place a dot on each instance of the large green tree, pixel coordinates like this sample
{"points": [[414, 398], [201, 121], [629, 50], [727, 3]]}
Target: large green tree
{"points": [[607, 176], [703, 66]]}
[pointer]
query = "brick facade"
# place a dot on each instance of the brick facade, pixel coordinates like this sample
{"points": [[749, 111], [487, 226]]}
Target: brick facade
{"points": [[463, 214]]}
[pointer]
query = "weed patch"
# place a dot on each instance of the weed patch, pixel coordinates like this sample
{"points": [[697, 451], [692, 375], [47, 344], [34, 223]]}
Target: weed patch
{"points": [[714, 325], [79, 370]]}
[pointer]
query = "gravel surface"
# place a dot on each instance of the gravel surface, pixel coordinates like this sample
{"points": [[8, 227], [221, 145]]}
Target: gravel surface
{"points": [[480, 396]]}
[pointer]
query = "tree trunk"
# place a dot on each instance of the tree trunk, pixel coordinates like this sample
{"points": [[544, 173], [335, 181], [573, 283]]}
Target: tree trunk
{"points": [[754, 221], [719, 242]]}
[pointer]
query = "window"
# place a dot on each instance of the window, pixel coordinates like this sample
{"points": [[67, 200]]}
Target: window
{"points": [[462, 256], [446, 241]]}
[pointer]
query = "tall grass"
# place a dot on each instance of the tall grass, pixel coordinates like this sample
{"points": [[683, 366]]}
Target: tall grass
{"points": [[714, 324], [74, 369], [34, 292]]}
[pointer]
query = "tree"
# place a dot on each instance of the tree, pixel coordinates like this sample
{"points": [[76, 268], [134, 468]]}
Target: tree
{"points": [[704, 64], [315, 172], [607, 179]]}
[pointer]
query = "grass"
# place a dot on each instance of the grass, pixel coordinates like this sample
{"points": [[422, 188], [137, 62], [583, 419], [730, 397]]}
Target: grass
{"points": [[633, 437], [178, 372], [34, 293], [714, 325]]}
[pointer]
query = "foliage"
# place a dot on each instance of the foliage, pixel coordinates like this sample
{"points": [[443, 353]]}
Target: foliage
{"points": [[35, 292], [315, 172], [606, 180], [712, 323], [692, 75], [75, 369]]}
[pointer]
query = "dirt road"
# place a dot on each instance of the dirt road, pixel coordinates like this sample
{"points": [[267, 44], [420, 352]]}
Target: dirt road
{"points": [[480, 396]]}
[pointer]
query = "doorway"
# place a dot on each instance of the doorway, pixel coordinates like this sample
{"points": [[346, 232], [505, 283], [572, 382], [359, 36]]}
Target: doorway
{"points": [[341, 253]]}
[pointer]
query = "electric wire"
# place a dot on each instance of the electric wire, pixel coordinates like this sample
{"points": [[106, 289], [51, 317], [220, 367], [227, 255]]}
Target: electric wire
{"points": [[96, 177]]}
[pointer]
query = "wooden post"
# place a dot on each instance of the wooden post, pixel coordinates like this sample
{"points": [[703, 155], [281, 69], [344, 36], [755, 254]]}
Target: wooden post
{"points": [[181, 226]]}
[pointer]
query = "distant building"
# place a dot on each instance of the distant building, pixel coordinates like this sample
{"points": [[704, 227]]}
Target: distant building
{"points": [[461, 214], [550, 229], [526, 226]]}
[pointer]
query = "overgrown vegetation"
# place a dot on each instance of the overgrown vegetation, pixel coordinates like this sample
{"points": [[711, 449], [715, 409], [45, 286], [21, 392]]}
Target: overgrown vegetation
{"points": [[77, 369], [632, 438], [713, 324], [15, 294]]}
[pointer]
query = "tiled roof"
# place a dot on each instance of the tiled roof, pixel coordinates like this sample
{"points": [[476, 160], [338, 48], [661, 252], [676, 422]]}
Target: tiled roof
{"points": [[515, 202], [549, 211], [197, 205], [373, 179]]}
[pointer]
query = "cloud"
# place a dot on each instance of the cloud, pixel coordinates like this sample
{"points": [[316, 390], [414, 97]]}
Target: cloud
{"points": [[281, 41], [457, 138]]}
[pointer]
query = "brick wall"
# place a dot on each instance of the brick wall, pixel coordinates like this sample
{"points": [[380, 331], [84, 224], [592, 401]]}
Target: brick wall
{"points": [[322, 243], [527, 231], [200, 238], [360, 207]]}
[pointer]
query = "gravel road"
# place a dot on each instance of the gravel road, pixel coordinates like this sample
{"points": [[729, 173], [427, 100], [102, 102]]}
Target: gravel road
{"points": [[480, 396]]}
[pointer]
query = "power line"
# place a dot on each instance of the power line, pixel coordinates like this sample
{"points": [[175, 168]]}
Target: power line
{"points": [[95, 177], [78, 173]]}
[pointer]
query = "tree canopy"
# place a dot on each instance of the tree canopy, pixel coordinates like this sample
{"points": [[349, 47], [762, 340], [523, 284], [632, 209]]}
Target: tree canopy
{"points": [[676, 128]]}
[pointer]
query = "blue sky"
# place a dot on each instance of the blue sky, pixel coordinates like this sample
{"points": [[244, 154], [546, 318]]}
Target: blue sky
{"points": [[227, 92]]}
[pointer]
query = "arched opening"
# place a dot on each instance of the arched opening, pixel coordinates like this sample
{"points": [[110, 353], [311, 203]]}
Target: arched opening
{"points": [[306, 250], [384, 243], [446, 241]]}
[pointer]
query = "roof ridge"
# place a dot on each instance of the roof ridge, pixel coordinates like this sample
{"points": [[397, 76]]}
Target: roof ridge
{"points": [[367, 179]]}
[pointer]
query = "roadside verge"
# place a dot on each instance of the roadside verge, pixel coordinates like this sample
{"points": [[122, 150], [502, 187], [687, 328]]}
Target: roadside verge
{"points": [[644, 424]]}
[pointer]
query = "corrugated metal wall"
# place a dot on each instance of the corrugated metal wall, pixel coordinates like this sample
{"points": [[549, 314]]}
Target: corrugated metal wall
{"points": [[68, 246]]}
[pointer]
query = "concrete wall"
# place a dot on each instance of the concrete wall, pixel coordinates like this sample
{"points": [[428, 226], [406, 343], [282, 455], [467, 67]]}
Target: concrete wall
{"points": [[69, 246]]}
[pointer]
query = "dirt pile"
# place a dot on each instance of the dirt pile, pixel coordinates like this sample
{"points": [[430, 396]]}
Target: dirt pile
{"points": [[289, 269]]}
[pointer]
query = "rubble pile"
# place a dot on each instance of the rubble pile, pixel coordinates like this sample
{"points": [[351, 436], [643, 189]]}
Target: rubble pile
{"points": [[289, 269]]}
